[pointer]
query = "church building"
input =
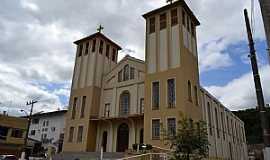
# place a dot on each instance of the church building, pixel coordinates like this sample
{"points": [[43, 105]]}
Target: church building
{"points": [[114, 105]]}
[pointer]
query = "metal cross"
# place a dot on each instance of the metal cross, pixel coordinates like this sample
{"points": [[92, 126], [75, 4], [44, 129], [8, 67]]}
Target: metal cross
{"points": [[100, 28]]}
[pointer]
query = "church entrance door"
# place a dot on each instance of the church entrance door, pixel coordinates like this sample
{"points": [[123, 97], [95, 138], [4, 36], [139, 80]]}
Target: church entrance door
{"points": [[122, 138]]}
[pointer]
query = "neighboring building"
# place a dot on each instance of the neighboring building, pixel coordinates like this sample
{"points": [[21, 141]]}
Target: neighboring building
{"points": [[48, 128], [12, 134], [114, 105]]}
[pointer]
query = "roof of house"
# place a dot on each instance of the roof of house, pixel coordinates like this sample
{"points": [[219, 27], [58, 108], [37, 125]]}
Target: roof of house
{"points": [[97, 34], [46, 114], [174, 4]]}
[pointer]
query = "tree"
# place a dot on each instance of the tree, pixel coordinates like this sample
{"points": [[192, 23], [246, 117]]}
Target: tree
{"points": [[190, 141]]}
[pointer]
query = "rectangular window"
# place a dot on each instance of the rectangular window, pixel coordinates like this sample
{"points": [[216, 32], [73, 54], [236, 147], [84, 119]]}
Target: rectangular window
{"points": [[193, 29], [83, 106], [155, 95], [101, 47], [53, 129], [108, 51], [80, 134], [120, 76], [209, 118], [171, 93], [152, 28], [196, 95], [94, 45], [222, 125], [107, 110], [188, 23], [163, 21], [174, 17], [80, 50], [189, 92], [35, 121], [74, 108], [86, 48], [132, 73], [33, 132], [17, 133], [114, 55], [156, 129], [3, 132], [171, 126], [71, 132], [126, 73], [141, 105], [217, 123], [183, 18]]}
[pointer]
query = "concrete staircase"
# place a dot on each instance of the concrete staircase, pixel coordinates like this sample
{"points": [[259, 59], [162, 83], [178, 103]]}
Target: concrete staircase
{"points": [[88, 156]]}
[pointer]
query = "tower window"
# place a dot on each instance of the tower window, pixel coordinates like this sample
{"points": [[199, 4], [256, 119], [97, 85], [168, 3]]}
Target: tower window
{"points": [[108, 51], [174, 17], [114, 55], [71, 132], [209, 118], [94, 45], [196, 95], [171, 92], [217, 123], [152, 25], [155, 95], [101, 47], [188, 23], [83, 106], [80, 134], [80, 48], [132, 73], [155, 129], [189, 92], [126, 73], [74, 107], [183, 18], [193, 29], [86, 48], [171, 124], [163, 21]]}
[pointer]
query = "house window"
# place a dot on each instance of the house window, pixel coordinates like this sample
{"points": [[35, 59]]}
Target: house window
{"points": [[86, 48], [152, 25], [74, 108], [183, 18], [114, 55], [155, 95], [107, 110], [80, 49], [35, 121], [217, 123], [126, 73], [155, 129], [132, 73], [71, 132], [171, 93], [47, 123], [209, 118], [163, 21], [189, 92], [33, 132], [141, 105], [171, 124], [101, 47], [124, 103], [17, 133], [53, 129], [80, 134], [120, 76], [108, 51], [44, 123], [174, 18], [196, 95], [3, 132], [83, 106], [94, 45]]}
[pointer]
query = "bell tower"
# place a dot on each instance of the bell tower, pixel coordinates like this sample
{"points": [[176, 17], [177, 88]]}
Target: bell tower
{"points": [[172, 75], [96, 55]]}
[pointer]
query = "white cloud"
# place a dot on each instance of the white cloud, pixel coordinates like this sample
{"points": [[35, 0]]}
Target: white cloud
{"points": [[240, 92]]}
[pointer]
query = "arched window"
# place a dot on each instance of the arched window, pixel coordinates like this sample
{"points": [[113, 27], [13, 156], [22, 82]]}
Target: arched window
{"points": [[126, 73], [124, 103]]}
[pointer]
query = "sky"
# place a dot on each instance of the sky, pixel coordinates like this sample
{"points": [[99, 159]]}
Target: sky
{"points": [[37, 51]]}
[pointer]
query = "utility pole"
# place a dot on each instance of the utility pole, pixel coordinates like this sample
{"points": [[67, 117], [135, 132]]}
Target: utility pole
{"points": [[28, 127], [265, 10], [258, 86]]}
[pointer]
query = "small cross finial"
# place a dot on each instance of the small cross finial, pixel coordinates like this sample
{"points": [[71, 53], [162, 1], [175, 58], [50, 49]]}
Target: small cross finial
{"points": [[169, 1], [100, 28]]}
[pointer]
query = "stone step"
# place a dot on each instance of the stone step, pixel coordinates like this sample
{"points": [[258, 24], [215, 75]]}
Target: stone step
{"points": [[88, 156]]}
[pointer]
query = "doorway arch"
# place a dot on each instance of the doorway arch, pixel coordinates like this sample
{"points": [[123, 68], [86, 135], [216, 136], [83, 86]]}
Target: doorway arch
{"points": [[122, 137]]}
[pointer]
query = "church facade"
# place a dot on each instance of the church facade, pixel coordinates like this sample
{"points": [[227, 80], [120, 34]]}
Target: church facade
{"points": [[114, 105]]}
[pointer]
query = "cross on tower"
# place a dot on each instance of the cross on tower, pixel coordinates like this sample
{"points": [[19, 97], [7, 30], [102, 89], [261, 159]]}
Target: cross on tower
{"points": [[100, 28]]}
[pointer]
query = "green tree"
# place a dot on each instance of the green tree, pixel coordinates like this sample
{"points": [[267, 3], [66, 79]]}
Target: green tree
{"points": [[190, 142]]}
